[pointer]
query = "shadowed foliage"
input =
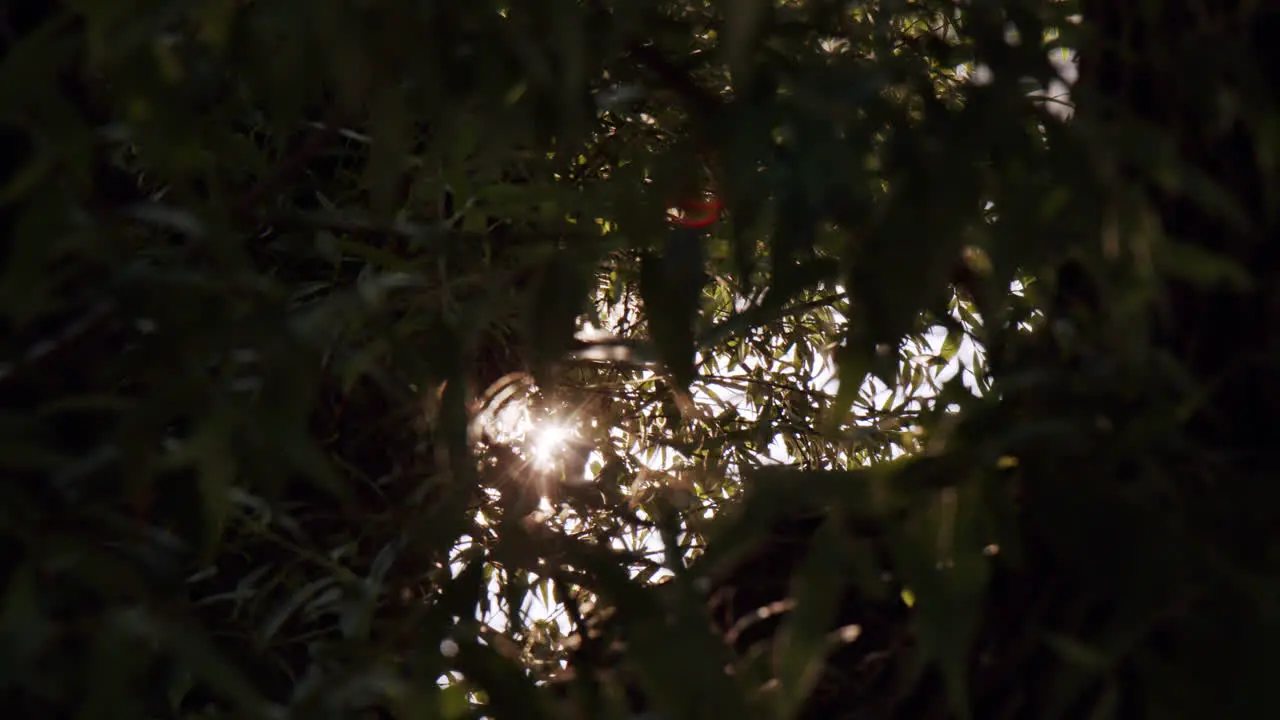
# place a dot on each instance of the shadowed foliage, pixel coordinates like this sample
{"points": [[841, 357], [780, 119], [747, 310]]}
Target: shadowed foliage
{"points": [[787, 359]]}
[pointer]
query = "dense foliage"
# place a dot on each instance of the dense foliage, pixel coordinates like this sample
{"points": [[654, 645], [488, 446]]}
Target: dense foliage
{"points": [[585, 358]]}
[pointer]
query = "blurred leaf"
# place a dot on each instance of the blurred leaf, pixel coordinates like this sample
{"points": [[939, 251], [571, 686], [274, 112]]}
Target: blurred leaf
{"points": [[563, 289], [948, 575], [510, 693], [190, 647], [801, 645], [742, 27], [215, 460], [1204, 268], [292, 605], [390, 123], [115, 665], [321, 240], [671, 288]]}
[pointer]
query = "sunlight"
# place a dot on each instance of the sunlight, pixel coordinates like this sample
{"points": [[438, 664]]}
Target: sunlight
{"points": [[547, 441]]}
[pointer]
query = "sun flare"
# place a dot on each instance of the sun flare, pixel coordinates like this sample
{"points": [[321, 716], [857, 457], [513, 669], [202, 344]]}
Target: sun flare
{"points": [[547, 440]]}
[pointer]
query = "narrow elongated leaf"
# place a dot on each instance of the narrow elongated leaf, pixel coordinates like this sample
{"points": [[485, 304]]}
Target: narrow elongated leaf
{"points": [[561, 296], [802, 645], [510, 692], [671, 289], [389, 151]]}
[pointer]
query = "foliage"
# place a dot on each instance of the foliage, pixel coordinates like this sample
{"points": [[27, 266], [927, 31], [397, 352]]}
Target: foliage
{"points": [[356, 359]]}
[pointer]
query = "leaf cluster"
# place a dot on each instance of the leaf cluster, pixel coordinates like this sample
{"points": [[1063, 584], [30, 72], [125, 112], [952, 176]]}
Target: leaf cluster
{"points": [[351, 361]]}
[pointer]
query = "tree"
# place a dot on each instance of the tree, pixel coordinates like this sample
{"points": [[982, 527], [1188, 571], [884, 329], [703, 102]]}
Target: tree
{"points": [[290, 293]]}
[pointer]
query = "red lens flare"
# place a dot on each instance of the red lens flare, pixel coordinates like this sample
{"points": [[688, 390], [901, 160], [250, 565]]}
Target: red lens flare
{"points": [[697, 213]]}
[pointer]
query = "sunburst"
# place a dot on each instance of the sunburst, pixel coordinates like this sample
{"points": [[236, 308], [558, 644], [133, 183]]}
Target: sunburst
{"points": [[547, 440]]}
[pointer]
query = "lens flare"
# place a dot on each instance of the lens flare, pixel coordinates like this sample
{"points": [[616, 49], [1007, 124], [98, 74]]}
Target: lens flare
{"points": [[547, 441]]}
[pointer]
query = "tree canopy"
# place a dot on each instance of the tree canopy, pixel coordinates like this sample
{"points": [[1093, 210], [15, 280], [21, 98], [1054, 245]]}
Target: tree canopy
{"points": [[760, 359]]}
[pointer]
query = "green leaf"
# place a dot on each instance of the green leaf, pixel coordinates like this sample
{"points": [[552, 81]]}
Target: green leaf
{"points": [[943, 563], [115, 665], [1078, 653], [514, 592], [216, 465], [853, 365], [290, 606], [1204, 268], [793, 242], [560, 297], [391, 143], [671, 289], [510, 692], [951, 345], [743, 21], [463, 593], [777, 493], [190, 646], [802, 644], [455, 702], [677, 657]]}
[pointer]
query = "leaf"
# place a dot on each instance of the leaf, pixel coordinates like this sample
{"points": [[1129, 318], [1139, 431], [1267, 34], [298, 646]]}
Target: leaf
{"points": [[681, 667], [745, 191], [115, 666], [943, 563], [168, 218], [1078, 653], [560, 296], [777, 493], [802, 643], [391, 140], [216, 466], [743, 21], [27, 445], [455, 702], [803, 276], [462, 595], [514, 592], [1203, 268], [951, 344], [190, 646], [853, 365], [291, 605], [510, 692], [677, 657], [671, 290], [24, 623], [216, 19], [792, 243]]}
